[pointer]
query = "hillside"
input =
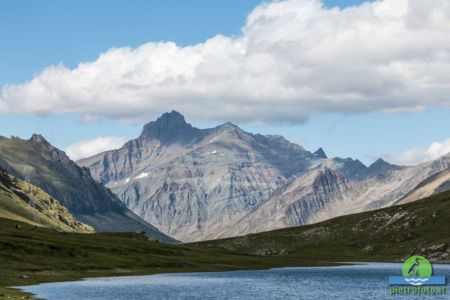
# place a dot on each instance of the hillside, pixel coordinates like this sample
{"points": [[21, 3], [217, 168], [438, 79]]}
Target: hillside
{"points": [[38, 162], [388, 234], [27, 203]]}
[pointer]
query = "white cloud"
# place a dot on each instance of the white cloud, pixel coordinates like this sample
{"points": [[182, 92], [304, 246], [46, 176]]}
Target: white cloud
{"points": [[91, 147], [294, 58], [419, 155]]}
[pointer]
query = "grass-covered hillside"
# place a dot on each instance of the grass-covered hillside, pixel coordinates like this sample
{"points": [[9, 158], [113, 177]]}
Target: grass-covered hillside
{"points": [[27, 203], [389, 234]]}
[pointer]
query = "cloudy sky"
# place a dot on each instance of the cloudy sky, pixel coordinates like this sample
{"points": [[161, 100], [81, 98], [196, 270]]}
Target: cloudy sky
{"points": [[360, 79]]}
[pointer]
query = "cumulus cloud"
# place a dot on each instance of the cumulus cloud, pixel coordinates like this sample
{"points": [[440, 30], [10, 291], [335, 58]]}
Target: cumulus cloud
{"points": [[293, 59], [419, 155], [87, 148]]}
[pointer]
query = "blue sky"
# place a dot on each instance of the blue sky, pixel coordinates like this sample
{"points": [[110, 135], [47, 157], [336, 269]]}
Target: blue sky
{"points": [[37, 34]]}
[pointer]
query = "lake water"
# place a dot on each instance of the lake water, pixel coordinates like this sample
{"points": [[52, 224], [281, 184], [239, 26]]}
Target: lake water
{"points": [[368, 281]]}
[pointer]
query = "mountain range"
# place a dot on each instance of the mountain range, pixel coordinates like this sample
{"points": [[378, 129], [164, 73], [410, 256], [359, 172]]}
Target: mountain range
{"points": [[196, 184]]}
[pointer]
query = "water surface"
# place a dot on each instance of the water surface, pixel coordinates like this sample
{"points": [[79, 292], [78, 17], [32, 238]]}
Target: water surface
{"points": [[368, 281]]}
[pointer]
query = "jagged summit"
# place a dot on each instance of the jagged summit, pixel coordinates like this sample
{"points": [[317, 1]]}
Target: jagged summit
{"points": [[320, 153], [382, 164], [379, 163], [381, 168], [171, 119], [228, 127], [47, 150], [170, 126], [38, 139]]}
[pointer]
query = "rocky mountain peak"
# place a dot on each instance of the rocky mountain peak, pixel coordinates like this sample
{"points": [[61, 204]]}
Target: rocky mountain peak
{"points": [[380, 167], [320, 153], [228, 126], [38, 139], [172, 118], [170, 126], [379, 163], [46, 149]]}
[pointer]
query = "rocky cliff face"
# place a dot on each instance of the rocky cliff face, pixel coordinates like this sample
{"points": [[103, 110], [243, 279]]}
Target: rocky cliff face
{"points": [[39, 163], [324, 193], [433, 185], [197, 184]]}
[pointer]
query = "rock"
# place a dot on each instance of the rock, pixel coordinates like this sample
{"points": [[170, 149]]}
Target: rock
{"points": [[262, 252], [437, 248], [368, 249], [436, 252]]}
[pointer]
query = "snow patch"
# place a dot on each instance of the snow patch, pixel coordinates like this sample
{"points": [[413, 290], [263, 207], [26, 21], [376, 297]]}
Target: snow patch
{"points": [[142, 175]]}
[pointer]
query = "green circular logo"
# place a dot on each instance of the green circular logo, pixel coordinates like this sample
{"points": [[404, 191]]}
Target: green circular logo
{"points": [[417, 266]]}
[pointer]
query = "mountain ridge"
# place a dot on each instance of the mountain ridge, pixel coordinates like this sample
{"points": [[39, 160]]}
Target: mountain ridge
{"points": [[38, 162]]}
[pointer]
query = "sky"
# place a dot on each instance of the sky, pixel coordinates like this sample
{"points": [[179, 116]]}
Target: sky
{"points": [[360, 79]]}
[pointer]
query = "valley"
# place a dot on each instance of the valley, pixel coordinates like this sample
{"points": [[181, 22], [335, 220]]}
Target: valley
{"points": [[387, 235]]}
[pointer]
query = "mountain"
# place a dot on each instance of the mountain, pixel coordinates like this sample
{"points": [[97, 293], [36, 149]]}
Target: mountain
{"points": [[27, 203], [431, 186], [324, 192], [388, 234], [39, 163], [190, 182], [196, 184], [320, 153], [382, 169]]}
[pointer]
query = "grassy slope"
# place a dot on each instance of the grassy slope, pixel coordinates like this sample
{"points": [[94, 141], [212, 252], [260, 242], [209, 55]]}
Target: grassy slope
{"points": [[17, 197], [389, 234]]}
